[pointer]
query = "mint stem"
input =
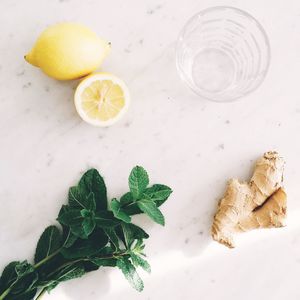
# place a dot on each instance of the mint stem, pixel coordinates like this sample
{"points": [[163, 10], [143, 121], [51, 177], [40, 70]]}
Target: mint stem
{"points": [[115, 255], [5, 293], [40, 263], [37, 265], [41, 294], [113, 233]]}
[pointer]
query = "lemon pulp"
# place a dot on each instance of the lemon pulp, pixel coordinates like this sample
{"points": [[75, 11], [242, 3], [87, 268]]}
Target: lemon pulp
{"points": [[102, 100]]}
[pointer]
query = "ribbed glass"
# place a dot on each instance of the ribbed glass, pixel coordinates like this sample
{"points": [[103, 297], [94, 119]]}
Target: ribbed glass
{"points": [[223, 53]]}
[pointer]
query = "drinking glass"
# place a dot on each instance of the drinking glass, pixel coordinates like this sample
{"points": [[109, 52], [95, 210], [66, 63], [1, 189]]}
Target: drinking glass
{"points": [[223, 53]]}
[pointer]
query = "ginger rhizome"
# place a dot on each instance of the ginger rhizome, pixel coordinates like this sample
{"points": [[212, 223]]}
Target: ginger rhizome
{"points": [[260, 203]]}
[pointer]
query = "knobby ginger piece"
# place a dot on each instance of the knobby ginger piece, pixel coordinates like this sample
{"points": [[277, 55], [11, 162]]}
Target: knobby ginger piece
{"points": [[260, 203]]}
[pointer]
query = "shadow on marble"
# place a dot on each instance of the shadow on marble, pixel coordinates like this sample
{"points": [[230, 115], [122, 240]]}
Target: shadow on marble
{"points": [[192, 227]]}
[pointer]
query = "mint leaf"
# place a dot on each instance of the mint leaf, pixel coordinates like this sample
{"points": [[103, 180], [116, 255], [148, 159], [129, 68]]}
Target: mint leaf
{"points": [[130, 274], [118, 211], [129, 205], [91, 181], [138, 181], [81, 222], [91, 202], [67, 273], [8, 276], [70, 217], [74, 219], [106, 253], [24, 296], [78, 198], [23, 268], [126, 199], [132, 210], [158, 193], [49, 242], [105, 219], [140, 262], [68, 237], [85, 213], [111, 233], [83, 248], [149, 207], [104, 262], [26, 278], [88, 225], [128, 233]]}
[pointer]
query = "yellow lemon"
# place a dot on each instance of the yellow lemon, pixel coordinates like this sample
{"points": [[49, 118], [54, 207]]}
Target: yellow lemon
{"points": [[101, 99], [68, 51]]}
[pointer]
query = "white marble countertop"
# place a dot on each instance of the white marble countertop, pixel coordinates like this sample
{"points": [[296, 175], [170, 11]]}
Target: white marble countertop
{"points": [[188, 143]]}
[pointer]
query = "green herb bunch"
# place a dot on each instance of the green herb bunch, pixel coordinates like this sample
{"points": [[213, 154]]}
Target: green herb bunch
{"points": [[91, 235]]}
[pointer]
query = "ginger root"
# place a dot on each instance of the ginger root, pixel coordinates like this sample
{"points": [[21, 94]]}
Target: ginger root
{"points": [[261, 203]]}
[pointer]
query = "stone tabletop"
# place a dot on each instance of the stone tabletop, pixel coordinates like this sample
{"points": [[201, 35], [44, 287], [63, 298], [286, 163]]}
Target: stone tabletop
{"points": [[186, 142]]}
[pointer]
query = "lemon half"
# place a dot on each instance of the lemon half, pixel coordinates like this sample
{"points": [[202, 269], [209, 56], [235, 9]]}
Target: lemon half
{"points": [[101, 99]]}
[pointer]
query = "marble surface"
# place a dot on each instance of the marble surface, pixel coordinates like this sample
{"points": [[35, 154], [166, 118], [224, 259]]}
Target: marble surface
{"points": [[186, 142]]}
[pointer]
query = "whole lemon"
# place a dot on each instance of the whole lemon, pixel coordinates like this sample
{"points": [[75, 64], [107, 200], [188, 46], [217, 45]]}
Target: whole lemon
{"points": [[68, 51]]}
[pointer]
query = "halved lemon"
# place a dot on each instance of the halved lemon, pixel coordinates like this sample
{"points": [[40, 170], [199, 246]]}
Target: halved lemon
{"points": [[101, 99]]}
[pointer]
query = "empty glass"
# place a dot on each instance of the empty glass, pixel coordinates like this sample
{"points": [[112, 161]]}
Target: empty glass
{"points": [[223, 53]]}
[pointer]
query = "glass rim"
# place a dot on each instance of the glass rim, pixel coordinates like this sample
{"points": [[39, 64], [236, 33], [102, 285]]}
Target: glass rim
{"points": [[183, 74]]}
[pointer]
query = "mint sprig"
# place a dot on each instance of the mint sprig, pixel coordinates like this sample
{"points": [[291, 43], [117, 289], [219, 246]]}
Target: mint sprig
{"points": [[92, 234]]}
